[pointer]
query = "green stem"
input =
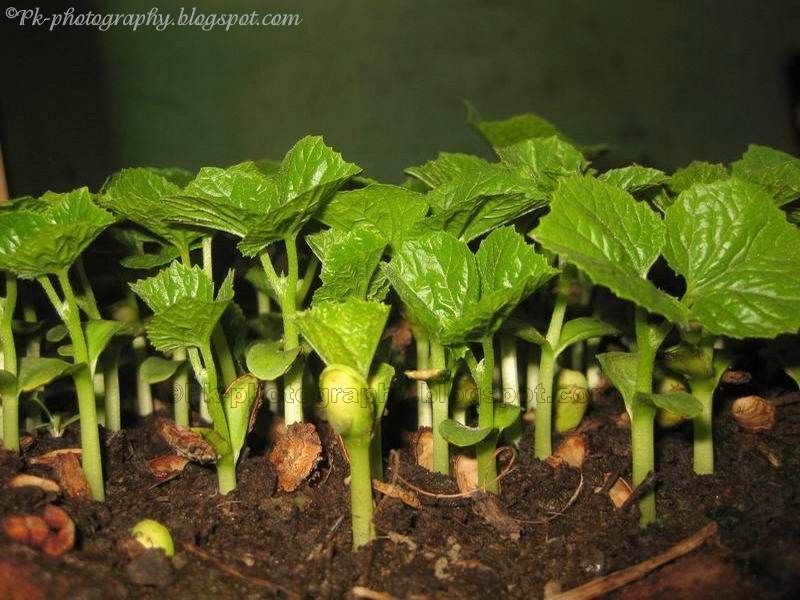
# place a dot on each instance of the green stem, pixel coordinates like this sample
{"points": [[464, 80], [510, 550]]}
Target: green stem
{"points": [[440, 392], [33, 348], [360, 490], [424, 416], [308, 279], [208, 257], [226, 466], [224, 355], [703, 390], [263, 302], [376, 449], [485, 450], [144, 394], [112, 395], [10, 401], [293, 380], [648, 339], [180, 390], [90, 438], [543, 430]]}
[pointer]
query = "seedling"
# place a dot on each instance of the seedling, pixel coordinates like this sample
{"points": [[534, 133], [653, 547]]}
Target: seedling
{"points": [[152, 534], [186, 313], [618, 241], [354, 393], [461, 298]]}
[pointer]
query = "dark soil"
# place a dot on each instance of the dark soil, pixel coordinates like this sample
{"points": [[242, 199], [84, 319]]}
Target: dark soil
{"points": [[301, 541]]}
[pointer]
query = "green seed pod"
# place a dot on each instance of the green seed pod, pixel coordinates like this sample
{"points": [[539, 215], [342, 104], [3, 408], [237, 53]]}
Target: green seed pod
{"points": [[152, 534], [665, 418], [466, 391], [572, 399], [347, 399]]}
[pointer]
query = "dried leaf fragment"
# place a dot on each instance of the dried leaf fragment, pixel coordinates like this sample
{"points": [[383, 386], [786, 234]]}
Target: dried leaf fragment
{"points": [[753, 413], [186, 442], [168, 465], [49, 458], [296, 455], [24, 480], [488, 507], [393, 491], [71, 477]]}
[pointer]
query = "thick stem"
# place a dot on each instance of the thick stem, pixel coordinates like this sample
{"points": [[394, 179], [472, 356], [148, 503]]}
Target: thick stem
{"points": [[112, 395], [543, 430], [144, 394], [424, 414], [226, 473], [293, 380], [90, 438], [226, 466], [642, 440], [485, 450], [440, 392], [180, 389], [508, 368], [10, 401], [532, 379], [360, 490], [703, 390]]}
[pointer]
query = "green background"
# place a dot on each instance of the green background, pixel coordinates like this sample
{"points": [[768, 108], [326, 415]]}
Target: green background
{"points": [[663, 82]]}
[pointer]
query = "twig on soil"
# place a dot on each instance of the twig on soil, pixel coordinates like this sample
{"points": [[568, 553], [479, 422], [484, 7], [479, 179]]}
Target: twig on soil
{"points": [[233, 572], [364, 592], [604, 585], [648, 483]]}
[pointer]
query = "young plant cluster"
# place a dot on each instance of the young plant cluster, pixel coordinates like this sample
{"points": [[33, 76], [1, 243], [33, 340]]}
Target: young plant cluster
{"points": [[520, 268]]}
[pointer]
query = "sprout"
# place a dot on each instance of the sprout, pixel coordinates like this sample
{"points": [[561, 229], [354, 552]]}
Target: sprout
{"points": [[152, 534]]}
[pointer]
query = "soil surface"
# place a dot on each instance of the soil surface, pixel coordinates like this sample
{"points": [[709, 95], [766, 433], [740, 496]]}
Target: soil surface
{"points": [[257, 543]]}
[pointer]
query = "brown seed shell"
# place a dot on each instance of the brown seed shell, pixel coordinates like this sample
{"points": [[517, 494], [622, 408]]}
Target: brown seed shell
{"points": [[753, 413], [186, 442], [296, 455]]}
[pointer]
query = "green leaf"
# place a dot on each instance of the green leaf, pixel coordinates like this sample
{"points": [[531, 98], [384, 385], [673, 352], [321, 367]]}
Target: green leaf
{"points": [[49, 241], [176, 175], [139, 195], [238, 402], [620, 368], [8, 384], [349, 263], [512, 130], [543, 160], [739, 257], [522, 329], [477, 201], [679, 403], [155, 369], [605, 232], [444, 167], [582, 328], [56, 333], [35, 372], [345, 333], [461, 435], [310, 174], [268, 360], [219, 443], [634, 178], [505, 415], [184, 307], [776, 171], [436, 277], [98, 335], [696, 172], [387, 210], [165, 255]]}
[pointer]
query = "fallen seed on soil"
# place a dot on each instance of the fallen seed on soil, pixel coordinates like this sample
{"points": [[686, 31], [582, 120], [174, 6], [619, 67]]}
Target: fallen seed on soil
{"points": [[753, 413], [296, 455], [46, 485], [186, 442], [393, 491], [165, 466]]}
